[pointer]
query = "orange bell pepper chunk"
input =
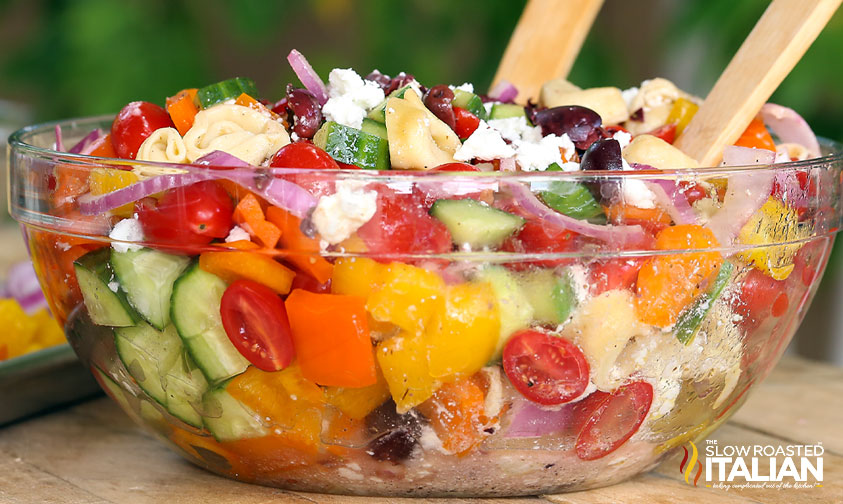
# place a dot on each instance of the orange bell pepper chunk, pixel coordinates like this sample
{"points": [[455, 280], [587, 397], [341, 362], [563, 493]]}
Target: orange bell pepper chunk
{"points": [[238, 245], [245, 100], [331, 336], [301, 250], [457, 414], [182, 109], [236, 264], [756, 136], [104, 148], [249, 215]]}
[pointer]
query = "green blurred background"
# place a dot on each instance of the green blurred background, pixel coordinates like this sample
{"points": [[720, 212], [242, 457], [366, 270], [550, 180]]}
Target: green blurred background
{"points": [[66, 58]]}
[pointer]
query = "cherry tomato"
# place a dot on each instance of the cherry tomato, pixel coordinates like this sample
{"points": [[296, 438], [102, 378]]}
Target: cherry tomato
{"points": [[612, 418], [760, 297], [666, 132], [402, 225], [545, 369], [611, 130], [191, 215], [693, 191], [303, 155], [255, 320], [135, 122], [618, 273], [457, 167], [536, 237], [466, 122]]}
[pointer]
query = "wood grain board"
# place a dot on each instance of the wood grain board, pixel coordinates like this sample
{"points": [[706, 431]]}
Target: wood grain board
{"points": [[92, 453]]}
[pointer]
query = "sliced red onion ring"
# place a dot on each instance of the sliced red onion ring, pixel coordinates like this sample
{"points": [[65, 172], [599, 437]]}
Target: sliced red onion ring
{"points": [[529, 420], [614, 235], [503, 91], [84, 146], [793, 193], [22, 284], [93, 205], [670, 197], [747, 156], [308, 76], [790, 127], [744, 196], [59, 144], [222, 159]]}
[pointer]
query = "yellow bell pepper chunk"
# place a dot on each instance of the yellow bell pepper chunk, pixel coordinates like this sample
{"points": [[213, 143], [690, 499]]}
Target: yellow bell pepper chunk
{"points": [[462, 337], [106, 180], [681, 113], [408, 298], [358, 402], [403, 362], [774, 222], [49, 332], [357, 276], [19, 330]]}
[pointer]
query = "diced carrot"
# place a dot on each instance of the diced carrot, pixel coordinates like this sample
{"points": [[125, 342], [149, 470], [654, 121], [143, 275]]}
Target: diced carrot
{"points": [[624, 213], [182, 109], [247, 101], [236, 264], [300, 249], [457, 414], [249, 215], [756, 136]]}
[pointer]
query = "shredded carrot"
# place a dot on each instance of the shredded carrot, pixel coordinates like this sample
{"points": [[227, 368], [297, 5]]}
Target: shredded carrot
{"points": [[249, 215], [182, 109], [756, 136], [242, 264], [303, 251]]}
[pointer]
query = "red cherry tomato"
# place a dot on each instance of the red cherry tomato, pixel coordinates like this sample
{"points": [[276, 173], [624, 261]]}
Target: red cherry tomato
{"points": [[612, 418], [134, 124], [457, 167], [303, 155], [693, 191], [614, 274], [466, 122], [255, 320], [666, 133], [536, 237], [401, 225], [191, 215], [545, 369], [760, 297]]}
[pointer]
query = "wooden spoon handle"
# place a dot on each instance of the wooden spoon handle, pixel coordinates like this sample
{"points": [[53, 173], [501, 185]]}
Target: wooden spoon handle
{"points": [[780, 38], [545, 43]]}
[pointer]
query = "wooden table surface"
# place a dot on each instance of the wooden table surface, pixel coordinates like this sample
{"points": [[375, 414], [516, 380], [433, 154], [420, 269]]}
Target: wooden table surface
{"points": [[92, 453]]}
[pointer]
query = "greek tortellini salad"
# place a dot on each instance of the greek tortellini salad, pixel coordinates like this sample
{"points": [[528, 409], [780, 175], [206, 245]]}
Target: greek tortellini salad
{"points": [[293, 293]]}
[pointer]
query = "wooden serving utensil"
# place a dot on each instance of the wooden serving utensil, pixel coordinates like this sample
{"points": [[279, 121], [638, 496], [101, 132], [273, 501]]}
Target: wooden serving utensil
{"points": [[780, 38], [545, 43]]}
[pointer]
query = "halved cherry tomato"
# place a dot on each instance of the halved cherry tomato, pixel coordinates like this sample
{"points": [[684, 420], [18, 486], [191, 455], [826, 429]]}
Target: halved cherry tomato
{"points": [[457, 167], [191, 215], [612, 418], [760, 297], [135, 122], [693, 191], [666, 133], [255, 320], [545, 369], [537, 237], [303, 155], [618, 273], [466, 122]]}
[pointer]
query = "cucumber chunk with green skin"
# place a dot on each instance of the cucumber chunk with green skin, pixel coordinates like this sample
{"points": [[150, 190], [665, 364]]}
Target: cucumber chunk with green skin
{"points": [[378, 113], [228, 419], [106, 303], [195, 312], [551, 295], [507, 111], [470, 102], [230, 89], [571, 199], [353, 146], [514, 309], [475, 224], [690, 320], [158, 363], [147, 277], [373, 127]]}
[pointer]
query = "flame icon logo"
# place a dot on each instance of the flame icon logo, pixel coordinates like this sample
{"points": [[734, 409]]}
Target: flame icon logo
{"points": [[689, 468]]}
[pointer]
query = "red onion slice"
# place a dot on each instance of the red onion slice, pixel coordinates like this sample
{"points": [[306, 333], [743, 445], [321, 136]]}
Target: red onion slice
{"points": [[222, 159], [790, 127], [94, 205], [308, 76], [734, 155], [614, 235], [22, 285], [670, 197], [745, 194], [503, 91], [278, 192], [792, 191], [85, 145], [529, 420], [59, 144]]}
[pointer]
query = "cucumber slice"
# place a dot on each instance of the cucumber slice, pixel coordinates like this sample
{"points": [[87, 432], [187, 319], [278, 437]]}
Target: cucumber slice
{"points": [[378, 113], [506, 111], [353, 146], [475, 224], [147, 276], [690, 320], [228, 419], [374, 128], [572, 199], [195, 312], [514, 309], [551, 295], [230, 89], [158, 363], [106, 302], [470, 102]]}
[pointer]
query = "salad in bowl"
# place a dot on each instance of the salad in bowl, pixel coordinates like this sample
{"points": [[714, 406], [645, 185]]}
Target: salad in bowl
{"points": [[378, 287]]}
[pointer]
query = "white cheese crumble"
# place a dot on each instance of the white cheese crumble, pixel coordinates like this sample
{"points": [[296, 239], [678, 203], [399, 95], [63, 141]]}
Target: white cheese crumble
{"points": [[339, 215], [127, 230], [517, 129], [623, 138], [465, 86], [636, 193], [579, 281], [533, 156], [485, 143], [237, 234], [113, 286], [629, 95], [350, 97]]}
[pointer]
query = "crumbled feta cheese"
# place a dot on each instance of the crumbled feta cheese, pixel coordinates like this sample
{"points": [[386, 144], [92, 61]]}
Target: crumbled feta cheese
{"points": [[664, 396], [113, 286], [429, 441], [517, 129], [350, 97], [579, 281], [532, 156], [465, 86], [636, 193], [629, 95], [494, 397], [485, 143], [339, 215], [488, 106], [623, 138], [237, 234], [294, 137], [127, 230]]}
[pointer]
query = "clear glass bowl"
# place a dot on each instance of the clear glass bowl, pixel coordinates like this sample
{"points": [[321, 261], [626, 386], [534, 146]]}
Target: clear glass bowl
{"points": [[662, 340]]}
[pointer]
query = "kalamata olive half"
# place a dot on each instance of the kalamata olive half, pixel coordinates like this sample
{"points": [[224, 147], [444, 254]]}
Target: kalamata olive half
{"points": [[603, 155], [438, 100], [579, 123], [306, 111], [396, 435]]}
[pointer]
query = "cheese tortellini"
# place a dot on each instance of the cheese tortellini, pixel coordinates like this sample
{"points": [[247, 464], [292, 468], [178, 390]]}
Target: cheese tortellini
{"points": [[164, 145], [240, 131], [418, 140]]}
